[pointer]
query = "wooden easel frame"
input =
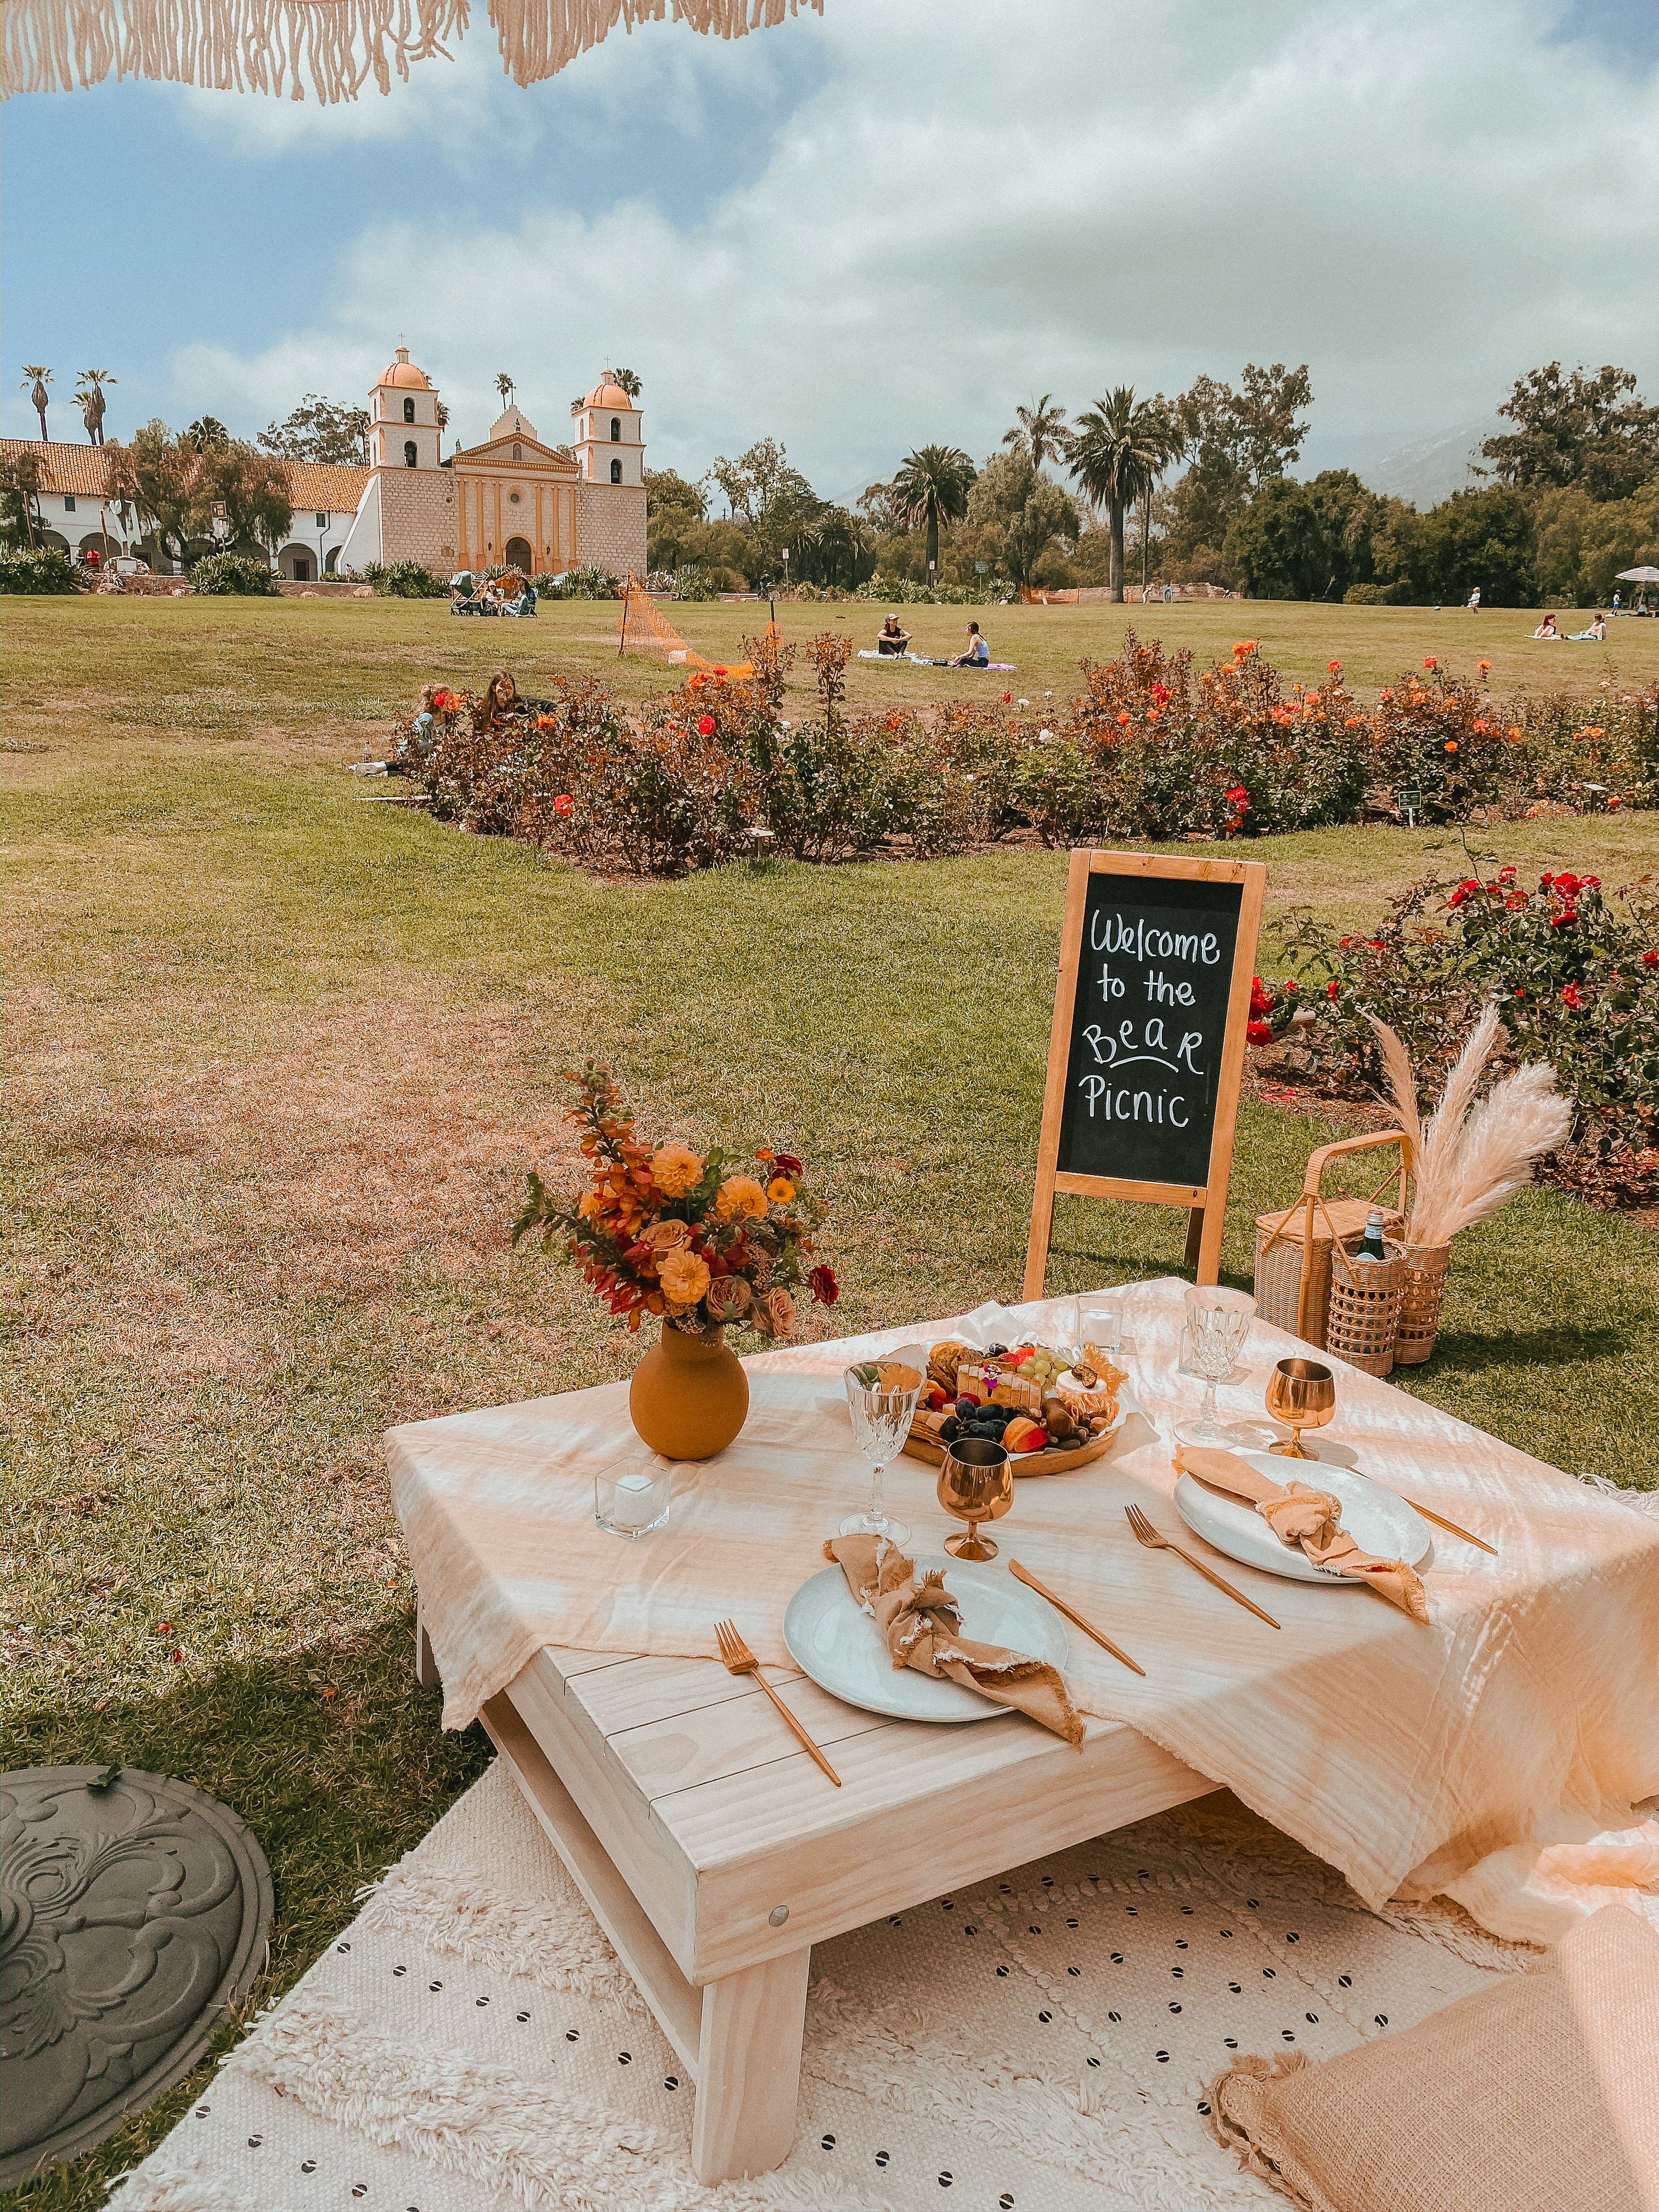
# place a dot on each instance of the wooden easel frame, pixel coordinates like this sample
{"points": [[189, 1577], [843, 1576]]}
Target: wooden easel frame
{"points": [[1206, 1202]]}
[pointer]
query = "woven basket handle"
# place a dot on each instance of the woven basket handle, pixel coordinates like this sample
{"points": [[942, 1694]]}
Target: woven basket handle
{"points": [[1318, 1161]]}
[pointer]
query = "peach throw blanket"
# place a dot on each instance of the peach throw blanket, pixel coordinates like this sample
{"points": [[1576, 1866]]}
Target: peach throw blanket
{"points": [[1494, 1753]]}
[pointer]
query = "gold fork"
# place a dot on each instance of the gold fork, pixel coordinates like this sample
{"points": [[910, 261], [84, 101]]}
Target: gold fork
{"points": [[738, 1659], [1147, 1534]]}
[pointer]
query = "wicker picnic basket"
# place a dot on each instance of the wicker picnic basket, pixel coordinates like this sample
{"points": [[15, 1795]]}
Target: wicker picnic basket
{"points": [[1293, 1247]]}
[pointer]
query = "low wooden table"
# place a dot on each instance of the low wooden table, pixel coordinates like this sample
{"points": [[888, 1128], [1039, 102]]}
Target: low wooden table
{"points": [[714, 1854]]}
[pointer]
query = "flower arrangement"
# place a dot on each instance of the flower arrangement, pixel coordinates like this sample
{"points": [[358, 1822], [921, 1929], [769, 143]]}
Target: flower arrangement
{"points": [[662, 1229]]}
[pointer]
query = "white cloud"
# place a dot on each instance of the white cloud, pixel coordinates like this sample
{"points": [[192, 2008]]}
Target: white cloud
{"points": [[975, 204]]}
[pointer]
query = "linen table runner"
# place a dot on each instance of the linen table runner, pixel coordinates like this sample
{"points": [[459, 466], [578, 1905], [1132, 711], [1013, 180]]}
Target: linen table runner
{"points": [[1494, 1754]]}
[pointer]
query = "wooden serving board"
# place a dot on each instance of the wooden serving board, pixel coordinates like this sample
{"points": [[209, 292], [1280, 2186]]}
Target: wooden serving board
{"points": [[1052, 1461]]}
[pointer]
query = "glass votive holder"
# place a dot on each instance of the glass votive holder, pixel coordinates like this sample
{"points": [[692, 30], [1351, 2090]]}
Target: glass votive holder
{"points": [[1100, 1320], [634, 1503]]}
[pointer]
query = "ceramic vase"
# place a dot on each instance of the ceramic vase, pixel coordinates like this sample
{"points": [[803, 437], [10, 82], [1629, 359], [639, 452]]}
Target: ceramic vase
{"points": [[689, 1395]]}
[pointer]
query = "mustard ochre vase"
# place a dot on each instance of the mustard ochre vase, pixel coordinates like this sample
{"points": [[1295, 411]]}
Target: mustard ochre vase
{"points": [[689, 1395]]}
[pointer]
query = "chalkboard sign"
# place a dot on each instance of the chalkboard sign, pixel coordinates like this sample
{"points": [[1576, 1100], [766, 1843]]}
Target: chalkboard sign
{"points": [[1147, 1048]]}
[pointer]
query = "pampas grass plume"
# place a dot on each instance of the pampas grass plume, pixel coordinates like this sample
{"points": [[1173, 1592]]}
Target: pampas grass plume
{"points": [[1402, 1084]]}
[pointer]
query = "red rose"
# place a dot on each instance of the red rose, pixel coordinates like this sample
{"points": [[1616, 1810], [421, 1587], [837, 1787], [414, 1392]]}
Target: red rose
{"points": [[1330, 989], [1650, 959], [563, 802], [1568, 884], [1258, 1033], [787, 1163], [1589, 883], [822, 1284], [705, 725], [1333, 665], [1565, 920], [1569, 996], [1006, 696]]}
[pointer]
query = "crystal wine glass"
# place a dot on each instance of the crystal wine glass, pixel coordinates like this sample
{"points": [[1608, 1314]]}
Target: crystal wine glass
{"points": [[1219, 1322], [881, 1422]]}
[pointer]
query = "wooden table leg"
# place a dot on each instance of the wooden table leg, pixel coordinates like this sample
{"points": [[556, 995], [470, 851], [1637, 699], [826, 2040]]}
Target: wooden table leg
{"points": [[426, 1666], [749, 2069]]}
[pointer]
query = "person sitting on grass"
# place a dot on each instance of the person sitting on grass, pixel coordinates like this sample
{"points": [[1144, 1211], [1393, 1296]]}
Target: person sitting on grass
{"points": [[890, 638], [1594, 635], [1547, 628], [978, 655]]}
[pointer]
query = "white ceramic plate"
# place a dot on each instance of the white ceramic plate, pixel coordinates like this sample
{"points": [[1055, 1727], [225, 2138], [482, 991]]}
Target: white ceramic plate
{"points": [[1377, 1520], [841, 1649]]}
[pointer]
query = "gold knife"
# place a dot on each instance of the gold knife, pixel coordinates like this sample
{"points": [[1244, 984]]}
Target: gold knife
{"points": [[1061, 1606]]}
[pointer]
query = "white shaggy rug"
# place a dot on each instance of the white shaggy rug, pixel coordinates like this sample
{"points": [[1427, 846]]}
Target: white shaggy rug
{"points": [[1033, 2044]]}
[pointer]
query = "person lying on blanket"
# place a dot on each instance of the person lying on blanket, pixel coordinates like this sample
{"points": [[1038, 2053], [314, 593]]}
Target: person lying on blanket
{"points": [[978, 655], [890, 638]]}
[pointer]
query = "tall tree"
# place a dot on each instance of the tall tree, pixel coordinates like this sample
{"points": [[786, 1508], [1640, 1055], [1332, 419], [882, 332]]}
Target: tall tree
{"points": [[20, 508], [1119, 449], [206, 432], [252, 488], [769, 497], [1576, 429], [163, 472], [89, 390], [36, 377], [626, 379], [1028, 510], [319, 430], [1040, 428], [505, 385], [932, 487]]}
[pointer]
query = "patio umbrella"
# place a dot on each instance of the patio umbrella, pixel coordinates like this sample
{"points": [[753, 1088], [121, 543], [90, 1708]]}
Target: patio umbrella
{"points": [[281, 47], [1639, 575]]}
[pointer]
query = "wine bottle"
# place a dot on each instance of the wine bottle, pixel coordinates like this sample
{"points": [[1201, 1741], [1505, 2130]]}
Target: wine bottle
{"points": [[1372, 1247]]}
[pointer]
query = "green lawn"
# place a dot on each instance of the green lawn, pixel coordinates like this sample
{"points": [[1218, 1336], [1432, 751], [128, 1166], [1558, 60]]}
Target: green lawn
{"points": [[279, 1057]]}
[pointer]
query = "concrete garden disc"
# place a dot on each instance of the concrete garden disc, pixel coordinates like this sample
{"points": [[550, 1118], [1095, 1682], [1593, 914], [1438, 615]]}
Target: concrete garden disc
{"points": [[130, 1916]]}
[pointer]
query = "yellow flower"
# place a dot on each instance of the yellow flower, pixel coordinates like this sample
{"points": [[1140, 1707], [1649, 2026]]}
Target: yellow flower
{"points": [[740, 1198], [674, 1169], [780, 1190], [683, 1278]]}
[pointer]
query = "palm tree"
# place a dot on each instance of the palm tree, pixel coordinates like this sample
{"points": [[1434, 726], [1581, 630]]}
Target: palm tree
{"points": [[40, 376], [1040, 430], [932, 487], [89, 390], [505, 385], [1119, 447], [627, 379]]}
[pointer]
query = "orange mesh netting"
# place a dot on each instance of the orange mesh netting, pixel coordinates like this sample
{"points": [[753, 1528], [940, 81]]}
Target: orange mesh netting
{"points": [[642, 627]]}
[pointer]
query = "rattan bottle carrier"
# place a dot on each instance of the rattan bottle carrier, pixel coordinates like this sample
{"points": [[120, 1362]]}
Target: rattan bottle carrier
{"points": [[1296, 1279]]}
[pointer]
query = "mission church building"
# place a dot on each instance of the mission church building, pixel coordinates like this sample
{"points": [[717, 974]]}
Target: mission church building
{"points": [[513, 501], [510, 502]]}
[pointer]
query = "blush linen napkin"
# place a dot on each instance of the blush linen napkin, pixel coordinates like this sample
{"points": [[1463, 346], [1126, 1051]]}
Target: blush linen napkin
{"points": [[1312, 1518], [922, 1625]]}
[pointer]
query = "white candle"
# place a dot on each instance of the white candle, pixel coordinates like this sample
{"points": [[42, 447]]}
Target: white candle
{"points": [[635, 1503]]}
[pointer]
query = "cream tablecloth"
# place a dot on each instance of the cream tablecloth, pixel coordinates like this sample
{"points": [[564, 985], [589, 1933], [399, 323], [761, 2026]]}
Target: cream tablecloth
{"points": [[1495, 1756]]}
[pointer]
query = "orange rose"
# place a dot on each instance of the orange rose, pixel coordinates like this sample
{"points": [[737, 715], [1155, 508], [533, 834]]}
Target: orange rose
{"points": [[729, 1297], [664, 1236]]}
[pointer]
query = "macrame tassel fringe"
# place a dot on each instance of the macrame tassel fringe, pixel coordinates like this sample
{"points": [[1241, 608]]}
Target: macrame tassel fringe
{"points": [[331, 46]]}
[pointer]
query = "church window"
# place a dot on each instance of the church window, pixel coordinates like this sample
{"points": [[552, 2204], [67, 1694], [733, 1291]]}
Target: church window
{"points": [[322, 519], [616, 471], [409, 454], [616, 430], [409, 410], [69, 502], [518, 453]]}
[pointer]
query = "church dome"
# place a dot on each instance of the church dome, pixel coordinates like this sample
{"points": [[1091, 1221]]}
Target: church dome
{"points": [[403, 371], [513, 424], [608, 395]]}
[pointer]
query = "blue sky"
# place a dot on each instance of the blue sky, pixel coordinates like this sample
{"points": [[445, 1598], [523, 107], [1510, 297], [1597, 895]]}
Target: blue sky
{"points": [[869, 228]]}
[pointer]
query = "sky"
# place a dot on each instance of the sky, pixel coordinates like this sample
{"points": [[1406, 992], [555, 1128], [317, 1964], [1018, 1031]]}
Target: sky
{"points": [[866, 229]]}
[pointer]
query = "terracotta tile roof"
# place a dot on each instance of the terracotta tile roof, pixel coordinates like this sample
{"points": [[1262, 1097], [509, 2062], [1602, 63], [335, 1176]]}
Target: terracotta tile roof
{"points": [[77, 469], [322, 484], [83, 470]]}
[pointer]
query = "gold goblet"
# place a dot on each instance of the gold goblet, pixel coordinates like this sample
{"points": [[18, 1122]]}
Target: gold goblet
{"points": [[976, 1484], [1302, 1394]]}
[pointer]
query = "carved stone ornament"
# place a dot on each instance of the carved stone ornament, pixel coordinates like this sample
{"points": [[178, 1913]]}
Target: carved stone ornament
{"points": [[130, 1917]]}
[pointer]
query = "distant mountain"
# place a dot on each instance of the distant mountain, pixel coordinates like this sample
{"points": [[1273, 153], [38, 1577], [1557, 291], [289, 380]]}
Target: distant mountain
{"points": [[1431, 468]]}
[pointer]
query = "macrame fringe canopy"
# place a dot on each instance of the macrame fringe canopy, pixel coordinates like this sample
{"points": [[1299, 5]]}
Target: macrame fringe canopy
{"points": [[331, 47]]}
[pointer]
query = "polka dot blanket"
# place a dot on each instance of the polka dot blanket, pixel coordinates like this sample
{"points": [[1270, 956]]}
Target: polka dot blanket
{"points": [[1034, 2043]]}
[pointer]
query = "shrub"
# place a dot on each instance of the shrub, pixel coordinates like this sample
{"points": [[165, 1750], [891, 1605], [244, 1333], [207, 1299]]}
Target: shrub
{"points": [[1374, 595], [1575, 973], [246, 575], [43, 570], [580, 584], [826, 786], [900, 592], [692, 582], [404, 579]]}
